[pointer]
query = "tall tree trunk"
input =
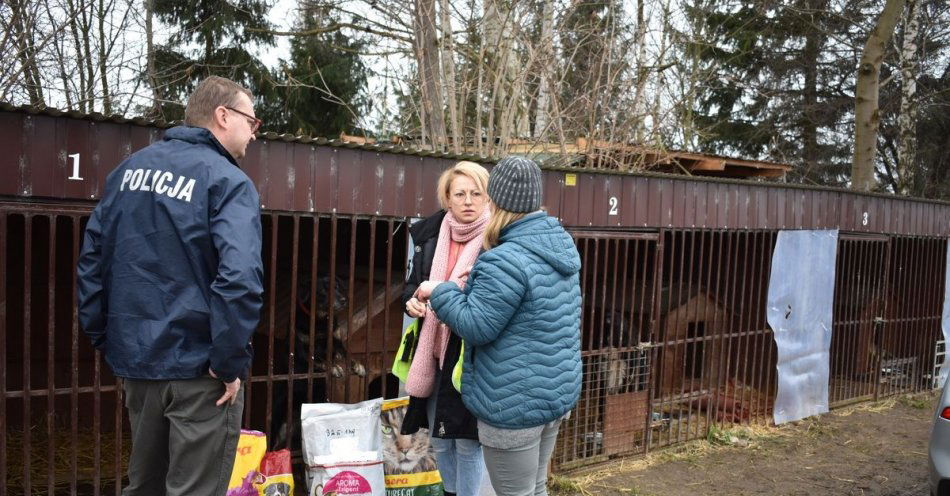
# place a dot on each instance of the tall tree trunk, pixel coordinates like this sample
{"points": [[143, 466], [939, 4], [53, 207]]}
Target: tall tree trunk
{"points": [[907, 121], [427, 58], [502, 66], [480, 143], [514, 117], [518, 123], [609, 84], [58, 47], [448, 73], [155, 112], [692, 78], [85, 27], [73, 17], [866, 116], [492, 26], [638, 103], [24, 25], [814, 39], [492, 22], [545, 87], [103, 74]]}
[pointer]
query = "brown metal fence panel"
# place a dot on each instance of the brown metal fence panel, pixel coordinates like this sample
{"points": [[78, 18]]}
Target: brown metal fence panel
{"points": [[911, 323], [617, 281], [332, 316], [10, 164], [859, 306], [329, 330], [674, 340], [712, 355], [712, 346], [887, 316], [3, 356], [63, 422], [674, 336]]}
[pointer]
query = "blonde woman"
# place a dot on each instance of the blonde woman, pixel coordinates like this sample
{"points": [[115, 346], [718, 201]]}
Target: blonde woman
{"points": [[447, 244], [519, 315]]}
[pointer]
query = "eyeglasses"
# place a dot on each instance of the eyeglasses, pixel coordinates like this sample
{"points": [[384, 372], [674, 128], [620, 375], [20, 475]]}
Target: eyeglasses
{"points": [[476, 196], [254, 122]]}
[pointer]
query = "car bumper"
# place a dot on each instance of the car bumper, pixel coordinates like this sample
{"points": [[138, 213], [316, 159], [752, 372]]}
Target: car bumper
{"points": [[939, 458]]}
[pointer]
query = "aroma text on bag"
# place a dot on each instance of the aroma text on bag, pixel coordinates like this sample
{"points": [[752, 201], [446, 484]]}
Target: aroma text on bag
{"points": [[341, 448]]}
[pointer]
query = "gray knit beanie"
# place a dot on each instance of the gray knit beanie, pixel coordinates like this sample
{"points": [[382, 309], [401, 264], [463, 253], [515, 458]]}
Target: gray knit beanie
{"points": [[515, 185]]}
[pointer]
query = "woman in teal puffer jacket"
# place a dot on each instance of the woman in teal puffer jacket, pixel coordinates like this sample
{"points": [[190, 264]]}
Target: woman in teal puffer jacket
{"points": [[520, 318]]}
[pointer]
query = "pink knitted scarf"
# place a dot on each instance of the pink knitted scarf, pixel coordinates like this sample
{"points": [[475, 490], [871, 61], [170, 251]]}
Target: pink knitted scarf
{"points": [[434, 335]]}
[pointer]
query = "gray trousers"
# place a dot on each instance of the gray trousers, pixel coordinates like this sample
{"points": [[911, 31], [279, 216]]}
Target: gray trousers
{"points": [[522, 471], [181, 442]]}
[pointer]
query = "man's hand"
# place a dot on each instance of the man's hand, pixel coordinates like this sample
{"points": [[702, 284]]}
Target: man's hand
{"points": [[415, 308], [231, 390]]}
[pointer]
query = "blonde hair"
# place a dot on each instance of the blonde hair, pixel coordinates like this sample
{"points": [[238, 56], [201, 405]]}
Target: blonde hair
{"points": [[500, 219], [471, 170], [212, 93]]}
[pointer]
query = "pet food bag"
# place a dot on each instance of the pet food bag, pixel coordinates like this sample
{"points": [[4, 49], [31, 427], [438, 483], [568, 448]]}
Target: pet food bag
{"points": [[408, 461], [250, 450], [276, 476], [341, 448]]}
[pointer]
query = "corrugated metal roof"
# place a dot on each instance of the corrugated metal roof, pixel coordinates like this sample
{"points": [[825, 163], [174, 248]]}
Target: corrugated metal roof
{"points": [[141, 121], [385, 147]]}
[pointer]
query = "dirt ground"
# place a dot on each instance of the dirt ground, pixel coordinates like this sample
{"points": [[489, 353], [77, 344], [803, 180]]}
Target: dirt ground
{"points": [[867, 449]]}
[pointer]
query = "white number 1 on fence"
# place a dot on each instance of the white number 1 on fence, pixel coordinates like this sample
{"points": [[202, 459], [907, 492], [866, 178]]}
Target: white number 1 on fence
{"points": [[75, 176]]}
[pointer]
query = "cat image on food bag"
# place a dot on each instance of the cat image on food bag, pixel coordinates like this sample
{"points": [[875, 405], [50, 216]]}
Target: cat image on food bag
{"points": [[404, 454]]}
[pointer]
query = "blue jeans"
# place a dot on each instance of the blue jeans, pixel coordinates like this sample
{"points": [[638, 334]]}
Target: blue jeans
{"points": [[460, 464]]}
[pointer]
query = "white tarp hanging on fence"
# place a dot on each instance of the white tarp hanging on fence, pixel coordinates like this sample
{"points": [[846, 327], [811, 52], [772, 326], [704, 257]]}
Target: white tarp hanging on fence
{"points": [[945, 323], [800, 312]]}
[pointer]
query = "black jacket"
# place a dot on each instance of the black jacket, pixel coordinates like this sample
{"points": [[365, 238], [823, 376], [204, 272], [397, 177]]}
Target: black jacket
{"points": [[425, 237], [452, 419]]}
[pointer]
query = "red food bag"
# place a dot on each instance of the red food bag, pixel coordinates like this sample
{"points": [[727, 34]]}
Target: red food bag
{"points": [[276, 474]]}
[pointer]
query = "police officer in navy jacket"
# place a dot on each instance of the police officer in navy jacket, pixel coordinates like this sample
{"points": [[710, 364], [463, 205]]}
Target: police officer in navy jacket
{"points": [[169, 289]]}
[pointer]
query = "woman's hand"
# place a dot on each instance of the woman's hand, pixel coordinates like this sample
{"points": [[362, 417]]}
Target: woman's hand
{"points": [[465, 273], [425, 290], [415, 308]]}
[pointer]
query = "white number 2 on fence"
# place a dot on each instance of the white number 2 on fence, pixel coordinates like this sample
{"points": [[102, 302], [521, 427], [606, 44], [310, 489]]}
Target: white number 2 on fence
{"points": [[75, 176], [613, 205]]}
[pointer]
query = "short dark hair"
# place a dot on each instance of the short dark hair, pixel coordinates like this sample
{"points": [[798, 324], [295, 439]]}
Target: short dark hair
{"points": [[212, 93]]}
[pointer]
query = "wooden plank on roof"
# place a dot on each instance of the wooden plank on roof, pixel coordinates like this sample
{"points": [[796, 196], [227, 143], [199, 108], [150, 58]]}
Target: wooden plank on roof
{"points": [[770, 174], [524, 148], [708, 165]]}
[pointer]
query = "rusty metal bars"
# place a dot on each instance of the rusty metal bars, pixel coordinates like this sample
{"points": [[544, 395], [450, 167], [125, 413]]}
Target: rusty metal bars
{"points": [[46, 242], [674, 338], [4, 236]]}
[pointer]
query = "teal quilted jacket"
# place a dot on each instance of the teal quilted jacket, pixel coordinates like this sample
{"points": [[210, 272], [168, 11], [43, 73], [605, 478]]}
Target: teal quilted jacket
{"points": [[520, 318]]}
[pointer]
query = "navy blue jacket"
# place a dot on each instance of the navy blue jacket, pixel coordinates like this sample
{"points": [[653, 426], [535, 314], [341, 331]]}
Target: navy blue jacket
{"points": [[170, 276]]}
